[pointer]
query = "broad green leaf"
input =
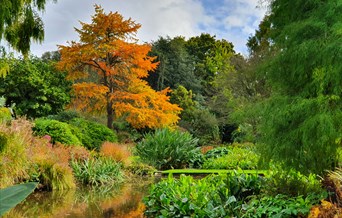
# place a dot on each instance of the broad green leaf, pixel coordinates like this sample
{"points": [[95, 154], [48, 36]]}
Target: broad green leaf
{"points": [[11, 196]]}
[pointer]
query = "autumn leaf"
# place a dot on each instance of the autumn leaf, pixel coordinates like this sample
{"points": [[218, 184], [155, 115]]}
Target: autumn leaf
{"points": [[107, 66]]}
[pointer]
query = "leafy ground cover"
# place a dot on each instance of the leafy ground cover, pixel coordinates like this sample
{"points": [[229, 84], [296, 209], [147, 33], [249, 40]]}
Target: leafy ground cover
{"points": [[230, 195]]}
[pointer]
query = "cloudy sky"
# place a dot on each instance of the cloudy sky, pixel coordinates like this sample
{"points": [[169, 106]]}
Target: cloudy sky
{"points": [[233, 20]]}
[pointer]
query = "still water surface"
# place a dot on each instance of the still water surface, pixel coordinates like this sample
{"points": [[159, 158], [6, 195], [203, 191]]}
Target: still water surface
{"points": [[121, 201]]}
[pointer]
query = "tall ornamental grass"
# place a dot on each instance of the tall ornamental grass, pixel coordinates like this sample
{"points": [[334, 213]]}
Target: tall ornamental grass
{"points": [[97, 171]]}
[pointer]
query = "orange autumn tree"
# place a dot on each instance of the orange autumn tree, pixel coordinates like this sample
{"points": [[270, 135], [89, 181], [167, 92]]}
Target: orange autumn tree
{"points": [[108, 66]]}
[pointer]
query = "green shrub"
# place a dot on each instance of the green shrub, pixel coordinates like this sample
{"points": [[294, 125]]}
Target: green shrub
{"points": [[213, 196], [281, 206], [97, 171], [237, 158], [64, 116], [217, 152], [292, 183], [92, 134], [203, 124], [59, 131], [166, 149], [5, 114], [138, 168], [197, 159]]}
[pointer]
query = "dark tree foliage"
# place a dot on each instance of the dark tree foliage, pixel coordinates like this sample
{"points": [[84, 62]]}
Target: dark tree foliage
{"points": [[301, 124], [190, 63], [260, 42], [176, 65], [35, 88], [51, 56], [20, 23]]}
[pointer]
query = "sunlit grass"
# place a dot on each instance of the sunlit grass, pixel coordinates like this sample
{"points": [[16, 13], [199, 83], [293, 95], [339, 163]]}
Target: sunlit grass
{"points": [[213, 171]]}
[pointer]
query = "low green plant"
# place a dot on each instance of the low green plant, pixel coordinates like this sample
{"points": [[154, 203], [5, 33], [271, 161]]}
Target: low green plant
{"points": [[203, 124], [5, 114], [213, 196], [217, 152], [196, 160], [92, 134], [139, 168], [236, 158], [292, 183], [59, 131], [281, 206], [97, 171], [13, 195], [166, 149]]}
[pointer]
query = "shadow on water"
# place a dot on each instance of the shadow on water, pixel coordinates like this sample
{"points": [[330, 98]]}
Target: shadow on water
{"points": [[121, 201]]}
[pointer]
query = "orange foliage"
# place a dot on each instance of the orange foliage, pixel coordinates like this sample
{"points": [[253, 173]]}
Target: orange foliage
{"points": [[138, 213], [127, 197], [205, 149], [325, 210], [78, 152], [118, 152], [108, 66]]}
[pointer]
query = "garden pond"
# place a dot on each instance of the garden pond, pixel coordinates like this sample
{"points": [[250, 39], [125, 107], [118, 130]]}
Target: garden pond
{"points": [[121, 201]]}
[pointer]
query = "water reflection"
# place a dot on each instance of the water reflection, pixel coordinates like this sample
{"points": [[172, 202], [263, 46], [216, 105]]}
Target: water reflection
{"points": [[106, 202]]}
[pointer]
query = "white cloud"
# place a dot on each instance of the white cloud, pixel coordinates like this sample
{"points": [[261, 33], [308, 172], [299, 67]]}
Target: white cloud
{"points": [[173, 18], [233, 20], [240, 20]]}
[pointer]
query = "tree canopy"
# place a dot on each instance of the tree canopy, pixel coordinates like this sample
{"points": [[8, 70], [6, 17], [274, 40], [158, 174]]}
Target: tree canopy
{"points": [[34, 87], [20, 23], [108, 66], [301, 125]]}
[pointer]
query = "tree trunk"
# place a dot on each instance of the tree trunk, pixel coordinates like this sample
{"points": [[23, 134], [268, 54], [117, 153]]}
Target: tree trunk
{"points": [[110, 113]]}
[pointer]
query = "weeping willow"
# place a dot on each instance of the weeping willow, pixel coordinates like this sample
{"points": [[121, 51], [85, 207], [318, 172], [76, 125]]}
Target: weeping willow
{"points": [[20, 23], [301, 121]]}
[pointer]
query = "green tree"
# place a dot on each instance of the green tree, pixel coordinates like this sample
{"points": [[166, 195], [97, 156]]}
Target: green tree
{"points": [[244, 88], [51, 56], [20, 23], [260, 42], [184, 98], [35, 88], [198, 120], [4, 66], [207, 50], [176, 65], [301, 121]]}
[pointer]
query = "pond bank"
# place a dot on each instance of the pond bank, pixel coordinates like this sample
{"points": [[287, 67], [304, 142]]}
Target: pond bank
{"points": [[124, 200]]}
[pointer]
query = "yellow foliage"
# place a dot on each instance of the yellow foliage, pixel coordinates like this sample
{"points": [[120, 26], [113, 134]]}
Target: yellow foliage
{"points": [[314, 212], [325, 210]]}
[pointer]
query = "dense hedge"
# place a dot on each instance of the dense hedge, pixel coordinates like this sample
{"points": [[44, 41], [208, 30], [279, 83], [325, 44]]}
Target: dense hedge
{"points": [[92, 134], [59, 131], [75, 131]]}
